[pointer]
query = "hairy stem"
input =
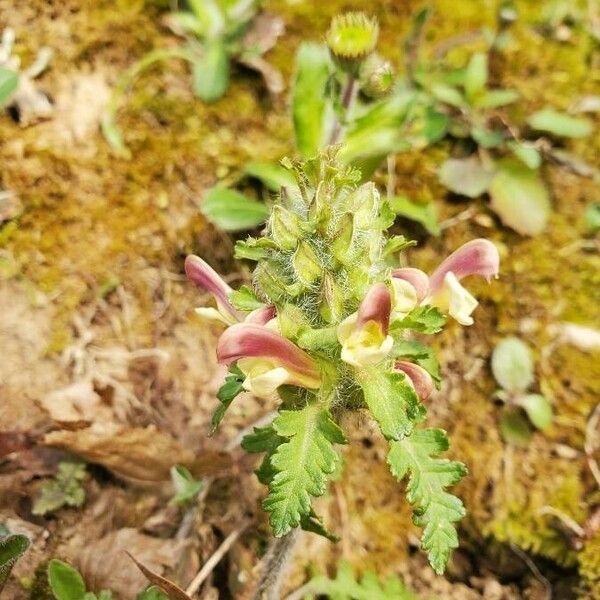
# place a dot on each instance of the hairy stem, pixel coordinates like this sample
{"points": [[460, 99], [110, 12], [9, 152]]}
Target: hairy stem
{"points": [[274, 566], [347, 98]]}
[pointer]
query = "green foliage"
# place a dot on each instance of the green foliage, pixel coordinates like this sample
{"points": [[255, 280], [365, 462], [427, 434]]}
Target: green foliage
{"points": [[64, 490], [186, 487], [231, 210], [345, 586], [210, 72], [424, 319], [465, 176], [559, 123], [592, 216], [9, 80], [415, 211], [434, 508], [65, 582], [301, 465], [512, 365], [152, 593], [12, 547], [227, 392]]}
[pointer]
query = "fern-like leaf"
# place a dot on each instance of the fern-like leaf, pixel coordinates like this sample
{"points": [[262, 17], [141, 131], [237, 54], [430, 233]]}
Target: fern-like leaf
{"points": [[392, 402], [435, 509], [302, 464]]}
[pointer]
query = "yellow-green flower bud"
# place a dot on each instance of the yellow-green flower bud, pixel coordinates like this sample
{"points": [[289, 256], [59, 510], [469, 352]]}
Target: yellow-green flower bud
{"points": [[376, 76], [351, 38]]}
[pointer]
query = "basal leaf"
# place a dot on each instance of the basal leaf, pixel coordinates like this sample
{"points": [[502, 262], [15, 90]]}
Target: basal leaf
{"points": [[476, 75], [512, 365], [312, 111], [538, 409], [231, 210], [210, 71], [435, 509], [12, 547], [560, 123], [303, 464], [65, 582], [9, 80], [392, 402], [415, 211], [520, 198], [465, 176]]}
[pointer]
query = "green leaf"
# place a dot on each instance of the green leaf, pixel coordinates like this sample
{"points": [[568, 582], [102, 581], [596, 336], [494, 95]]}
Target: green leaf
{"points": [[232, 211], [476, 75], [312, 111], [447, 94], [397, 243], [273, 176], [185, 22], [152, 593], [519, 198], [228, 391], [210, 16], [420, 354], [345, 586], [64, 490], [526, 153], [12, 548], [263, 439], [314, 524], [416, 211], [245, 299], [435, 509], [9, 80], [465, 176], [186, 487], [496, 98], [592, 216], [559, 123], [424, 319], [538, 409], [114, 137], [253, 248], [302, 464], [486, 138], [514, 427], [512, 365], [392, 402], [210, 71], [65, 582]]}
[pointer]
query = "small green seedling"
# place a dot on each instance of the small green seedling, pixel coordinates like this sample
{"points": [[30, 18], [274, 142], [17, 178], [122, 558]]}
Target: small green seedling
{"points": [[513, 369], [66, 583], [12, 547], [65, 489], [186, 487], [216, 33]]}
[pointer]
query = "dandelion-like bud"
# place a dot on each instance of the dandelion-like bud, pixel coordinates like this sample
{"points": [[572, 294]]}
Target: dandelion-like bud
{"points": [[376, 76], [351, 38]]}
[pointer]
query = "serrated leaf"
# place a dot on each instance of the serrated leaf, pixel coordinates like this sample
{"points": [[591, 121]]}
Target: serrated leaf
{"points": [[263, 439], [273, 176], [302, 464], [210, 71], [65, 582], [64, 489], [12, 548], [232, 211], [9, 80], [424, 319], [311, 108], [420, 354], [313, 524], [465, 176], [424, 214], [560, 123], [346, 586], [520, 198], [227, 393], [435, 509], [392, 402], [512, 365]]}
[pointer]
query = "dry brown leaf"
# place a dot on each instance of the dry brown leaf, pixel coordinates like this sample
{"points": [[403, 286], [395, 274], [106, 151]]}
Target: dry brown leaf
{"points": [[263, 33], [104, 563], [139, 453], [173, 591]]}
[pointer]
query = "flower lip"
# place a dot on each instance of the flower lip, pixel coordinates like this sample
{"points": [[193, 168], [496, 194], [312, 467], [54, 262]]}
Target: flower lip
{"points": [[477, 257], [261, 316], [376, 306], [203, 275], [244, 340], [417, 278], [418, 377]]}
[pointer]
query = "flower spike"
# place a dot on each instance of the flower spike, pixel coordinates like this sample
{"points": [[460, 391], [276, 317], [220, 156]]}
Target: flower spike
{"points": [[203, 275]]}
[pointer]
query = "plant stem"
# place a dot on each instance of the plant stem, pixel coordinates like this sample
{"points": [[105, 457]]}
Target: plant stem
{"points": [[274, 566], [347, 99]]}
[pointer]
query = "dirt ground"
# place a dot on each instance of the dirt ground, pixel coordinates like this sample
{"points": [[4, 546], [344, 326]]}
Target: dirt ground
{"points": [[102, 358]]}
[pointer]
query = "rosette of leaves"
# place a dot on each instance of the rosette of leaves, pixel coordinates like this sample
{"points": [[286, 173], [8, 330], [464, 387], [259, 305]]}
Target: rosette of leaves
{"points": [[513, 369], [216, 33], [325, 246]]}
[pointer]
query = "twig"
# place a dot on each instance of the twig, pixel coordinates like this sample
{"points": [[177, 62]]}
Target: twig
{"points": [[534, 569], [274, 565], [214, 560]]}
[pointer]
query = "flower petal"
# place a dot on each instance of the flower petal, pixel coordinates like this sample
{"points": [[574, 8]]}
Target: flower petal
{"points": [[262, 378], [418, 377], [455, 299], [251, 340], [405, 298], [203, 275], [376, 306], [477, 257], [261, 316], [417, 278]]}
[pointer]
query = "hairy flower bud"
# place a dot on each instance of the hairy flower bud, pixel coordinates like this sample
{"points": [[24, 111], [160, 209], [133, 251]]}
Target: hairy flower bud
{"points": [[351, 38], [376, 76]]}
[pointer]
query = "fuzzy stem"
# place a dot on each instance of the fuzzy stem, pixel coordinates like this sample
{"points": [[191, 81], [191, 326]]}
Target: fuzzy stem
{"points": [[347, 98], [274, 566]]}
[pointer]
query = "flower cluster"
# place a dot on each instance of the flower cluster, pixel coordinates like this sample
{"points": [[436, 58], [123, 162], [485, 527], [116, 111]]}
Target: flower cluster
{"points": [[329, 326]]}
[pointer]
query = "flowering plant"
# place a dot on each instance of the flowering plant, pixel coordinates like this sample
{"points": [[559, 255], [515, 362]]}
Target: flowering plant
{"points": [[327, 327]]}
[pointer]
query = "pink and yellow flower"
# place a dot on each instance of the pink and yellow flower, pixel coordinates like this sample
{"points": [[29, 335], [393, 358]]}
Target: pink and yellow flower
{"points": [[417, 377]]}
